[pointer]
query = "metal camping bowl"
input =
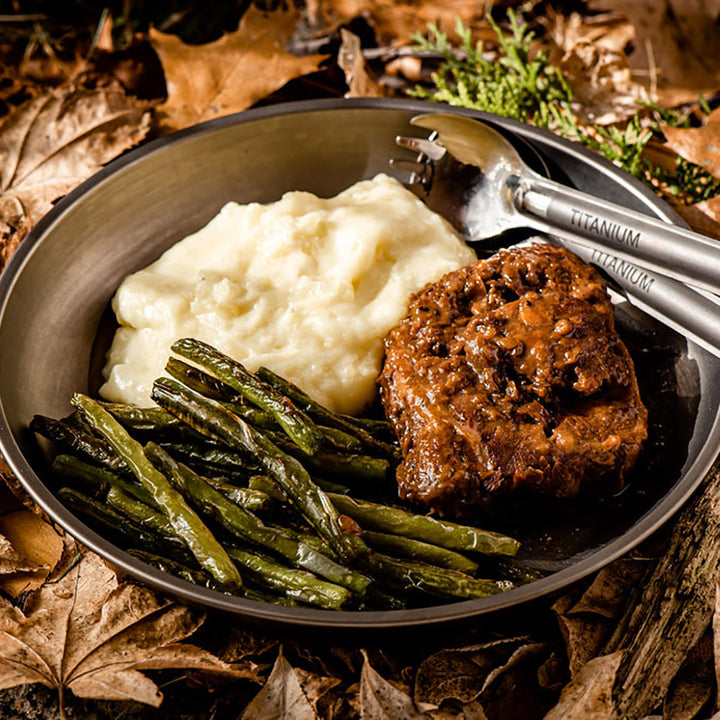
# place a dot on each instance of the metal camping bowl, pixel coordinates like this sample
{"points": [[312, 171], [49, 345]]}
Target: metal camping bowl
{"points": [[54, 296]]}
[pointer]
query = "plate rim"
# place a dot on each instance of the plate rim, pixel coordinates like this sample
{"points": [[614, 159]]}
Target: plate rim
{"points": [[648, 523]]}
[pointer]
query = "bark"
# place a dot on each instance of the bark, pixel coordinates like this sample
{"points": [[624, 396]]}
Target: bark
{"points": [[673, 610]]}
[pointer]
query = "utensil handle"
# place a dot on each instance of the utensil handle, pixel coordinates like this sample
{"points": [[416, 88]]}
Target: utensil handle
{"points": [[676, 252], [691, 313]]}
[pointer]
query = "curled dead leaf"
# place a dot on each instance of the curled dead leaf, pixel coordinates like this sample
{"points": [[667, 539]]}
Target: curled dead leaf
{"points": [[608, 593], [675, 49], [54, 141], [381, 700], [282, 697], [602, 84], [608, 31], [463, 673], [229, 74], [350, 59], [89, 633], [694, 685], [589, 695], [30, 547]]}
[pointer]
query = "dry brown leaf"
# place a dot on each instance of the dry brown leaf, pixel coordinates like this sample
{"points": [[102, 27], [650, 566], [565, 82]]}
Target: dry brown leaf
{"points": [[704, 217], [229, 74], [350, 60], [609, 31], [91, 634], [30, 548], [592, 58], [675, 49], [697, 145], [584, 634], [474, 673], [52, 143], [381, 700], [282, 697], [589, 695], [603, 89], [395, 22], [586, 622], [314, 686], [607, 594]]}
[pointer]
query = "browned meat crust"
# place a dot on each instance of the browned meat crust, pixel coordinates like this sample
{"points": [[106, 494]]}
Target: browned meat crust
{"points": [[507, 378]]}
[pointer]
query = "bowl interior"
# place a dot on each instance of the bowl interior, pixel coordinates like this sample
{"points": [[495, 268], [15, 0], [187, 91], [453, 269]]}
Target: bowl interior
{"points": [[54, 297]]}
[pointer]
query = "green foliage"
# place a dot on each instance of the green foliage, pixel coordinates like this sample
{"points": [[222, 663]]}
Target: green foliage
{"points": [[527, 87], [516, 86]]}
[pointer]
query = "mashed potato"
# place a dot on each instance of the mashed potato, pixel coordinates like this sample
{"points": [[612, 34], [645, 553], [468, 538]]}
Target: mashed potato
{"points": [[306, 286]]}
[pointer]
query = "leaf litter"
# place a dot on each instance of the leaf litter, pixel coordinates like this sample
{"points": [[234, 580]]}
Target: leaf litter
{"points": [[221, 77], [92, 634], [96, 635]]}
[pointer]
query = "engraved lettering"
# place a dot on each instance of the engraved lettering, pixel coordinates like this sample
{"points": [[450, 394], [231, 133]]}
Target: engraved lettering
{"points": [[621, 268], [605, 228]]}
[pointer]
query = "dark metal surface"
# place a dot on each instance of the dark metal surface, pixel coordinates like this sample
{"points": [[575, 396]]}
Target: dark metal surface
{"points": [[55, 290]]}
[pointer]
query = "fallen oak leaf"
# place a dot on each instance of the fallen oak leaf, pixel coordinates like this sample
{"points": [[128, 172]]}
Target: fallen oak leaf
{"points": [[461, 674], [694, 685], [229, 74], [282, 697], [30, 547], [381, 700], [53, 142], [91, 634]]}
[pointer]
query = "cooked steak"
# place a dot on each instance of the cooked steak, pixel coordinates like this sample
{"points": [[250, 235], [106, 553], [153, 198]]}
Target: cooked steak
{"points": [[506, 380]]}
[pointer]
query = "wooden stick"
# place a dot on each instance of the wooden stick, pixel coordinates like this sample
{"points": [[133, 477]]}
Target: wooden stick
{"points": [[672, 612]]}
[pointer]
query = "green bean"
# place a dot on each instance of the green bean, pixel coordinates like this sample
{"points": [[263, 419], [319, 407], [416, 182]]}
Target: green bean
{"points": [[324, 416], [245, 497], [97, 479], [454, 536], [336, 465], [296, 424], [200, 381], [217, 458], [139, 512], [297, 584], [518, 572], [201, 542], [196, 576], [248, 527], [151, 421], [78, 442], [213, 419], [412, 549], [116, 525], [409, 574], [211, 387]]}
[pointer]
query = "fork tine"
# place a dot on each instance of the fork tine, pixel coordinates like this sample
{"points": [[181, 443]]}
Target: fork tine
{"points": [[415, 168], [430, 149]]}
